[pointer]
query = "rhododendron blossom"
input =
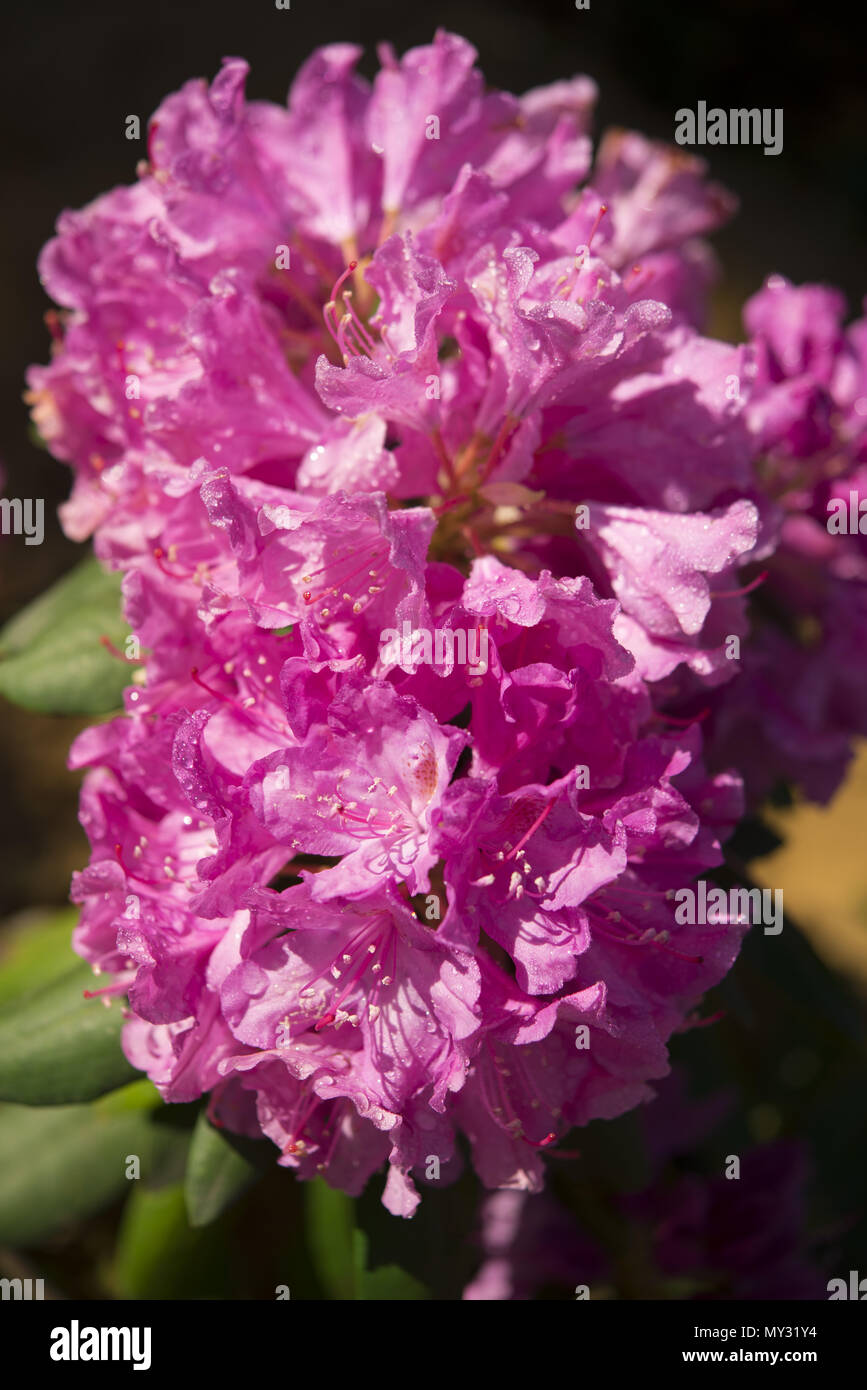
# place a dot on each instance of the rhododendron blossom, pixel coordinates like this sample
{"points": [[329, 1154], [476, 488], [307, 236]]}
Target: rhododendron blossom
{"points": [[322, 378]]}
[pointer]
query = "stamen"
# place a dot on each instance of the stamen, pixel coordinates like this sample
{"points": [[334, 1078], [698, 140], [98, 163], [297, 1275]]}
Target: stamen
{"points": [[295, 1145], [360, 328], [355, 955], [329, 313], [683, 723], [332, 1134], [505, 431], [110, 647], [118, 987], [738, 593], [657, 940], [632, 284], [512, 1125], [694, 1021], [346, 340], [159, 555], [241, 707], [370, 558], [151, 882], [533, 828], [570, 279], [341, 280], [603, 208], [540, 1143]]}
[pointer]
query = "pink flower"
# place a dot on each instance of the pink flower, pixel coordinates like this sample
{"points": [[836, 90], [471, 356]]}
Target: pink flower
{"points": [[799, 705], [384, 360]]}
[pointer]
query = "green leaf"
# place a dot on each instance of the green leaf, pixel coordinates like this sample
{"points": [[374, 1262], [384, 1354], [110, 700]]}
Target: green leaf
{"points": [[137, 1096], [340, 1250], [35, 948], [220, 1168], [330, 1219], [58, 1048], [158, 1254], [51, 656], [387, 1284], [63, 1164]]}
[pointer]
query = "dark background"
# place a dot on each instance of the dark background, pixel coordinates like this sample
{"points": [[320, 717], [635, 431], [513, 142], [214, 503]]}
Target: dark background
{"points": [[73, 72]]}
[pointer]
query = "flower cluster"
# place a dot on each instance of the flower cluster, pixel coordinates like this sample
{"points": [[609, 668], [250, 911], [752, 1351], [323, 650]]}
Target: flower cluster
{"points": [[405, 356], [799, 702]]}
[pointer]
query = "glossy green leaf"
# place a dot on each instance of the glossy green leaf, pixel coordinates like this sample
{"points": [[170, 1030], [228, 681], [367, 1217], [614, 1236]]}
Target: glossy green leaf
{"points": [[220, 1168], [62, 1164], [51, 657], [59, 1048], [159, 1255], [330, 1220], [340, 1252], [35, 948]]}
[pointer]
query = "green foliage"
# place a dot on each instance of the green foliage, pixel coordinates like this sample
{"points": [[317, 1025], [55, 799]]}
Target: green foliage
{"points": [[64, 1163], [58, 1048], [220, 1169], [51, 657], [159, 1255], [35, 950], [387, 1284], [339, 1251]]}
